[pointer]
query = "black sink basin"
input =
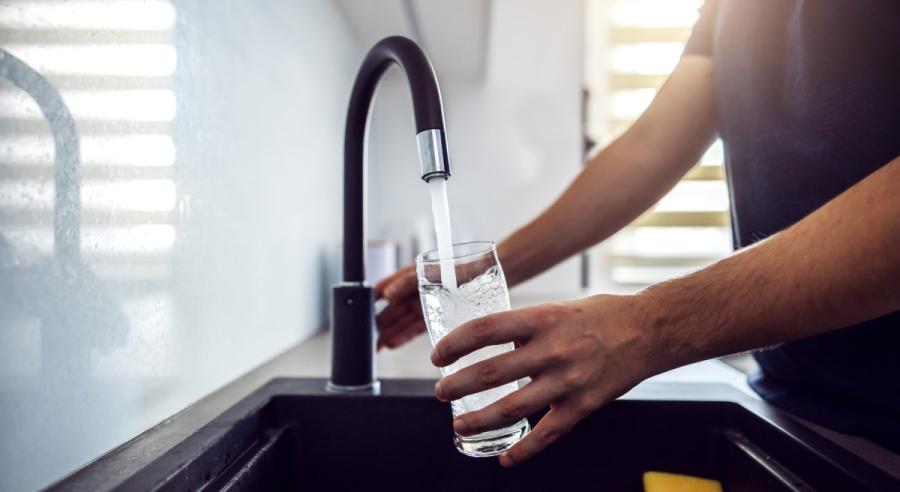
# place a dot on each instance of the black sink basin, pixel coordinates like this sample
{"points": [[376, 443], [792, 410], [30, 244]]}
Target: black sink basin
{"points": [[292, 435]]}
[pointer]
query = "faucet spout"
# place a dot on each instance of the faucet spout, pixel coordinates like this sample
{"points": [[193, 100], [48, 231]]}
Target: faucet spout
{"points": [[353, 321]]}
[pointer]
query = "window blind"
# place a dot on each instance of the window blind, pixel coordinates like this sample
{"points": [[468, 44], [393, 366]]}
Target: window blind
{"points": [[631, 47]]}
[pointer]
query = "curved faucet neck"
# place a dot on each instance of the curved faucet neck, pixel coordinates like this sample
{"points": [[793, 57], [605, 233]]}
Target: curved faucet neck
{"points": [[431, 137]]}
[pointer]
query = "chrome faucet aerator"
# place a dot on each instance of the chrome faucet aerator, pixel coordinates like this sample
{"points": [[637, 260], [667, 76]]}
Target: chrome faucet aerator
{"points": [[433, 154]]}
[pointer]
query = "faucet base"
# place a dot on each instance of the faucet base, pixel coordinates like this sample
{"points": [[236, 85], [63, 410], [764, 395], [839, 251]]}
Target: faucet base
{"points": [[353, 337], [373, 388]]}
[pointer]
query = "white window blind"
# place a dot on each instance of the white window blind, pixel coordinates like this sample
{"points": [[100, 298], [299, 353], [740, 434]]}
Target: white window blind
{"points": [[631, 47]]}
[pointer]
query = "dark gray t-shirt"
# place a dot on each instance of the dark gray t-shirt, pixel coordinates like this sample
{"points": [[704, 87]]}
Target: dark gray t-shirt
{"points": [[808, 95]]}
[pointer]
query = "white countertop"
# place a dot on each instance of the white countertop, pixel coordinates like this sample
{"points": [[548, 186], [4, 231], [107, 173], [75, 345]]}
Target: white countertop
{"points": [[412, 361]]}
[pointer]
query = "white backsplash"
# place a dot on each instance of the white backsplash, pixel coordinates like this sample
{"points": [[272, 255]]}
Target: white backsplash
{"points": [[211, 137]]}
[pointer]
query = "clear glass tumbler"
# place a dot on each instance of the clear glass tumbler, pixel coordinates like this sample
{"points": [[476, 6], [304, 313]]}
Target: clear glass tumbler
{"points": [[481, 290]]}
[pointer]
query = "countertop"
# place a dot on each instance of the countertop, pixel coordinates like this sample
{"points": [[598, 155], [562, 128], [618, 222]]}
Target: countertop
{"points": [[411, 361]]}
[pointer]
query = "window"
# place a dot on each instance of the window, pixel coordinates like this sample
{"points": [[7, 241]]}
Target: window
{"points": [[631, 46]]}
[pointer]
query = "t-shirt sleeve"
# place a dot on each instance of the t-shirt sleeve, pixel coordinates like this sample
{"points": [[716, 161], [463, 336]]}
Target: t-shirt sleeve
{"points": [[701, 40]]}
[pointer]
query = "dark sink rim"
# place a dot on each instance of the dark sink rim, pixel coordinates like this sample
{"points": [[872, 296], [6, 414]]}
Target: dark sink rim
{"points": [[94, 475]]}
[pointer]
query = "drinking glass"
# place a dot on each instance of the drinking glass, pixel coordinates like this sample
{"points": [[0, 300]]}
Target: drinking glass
{"points": [[481, 290]]}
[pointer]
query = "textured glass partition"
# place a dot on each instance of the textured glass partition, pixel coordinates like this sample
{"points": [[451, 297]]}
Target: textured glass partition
{"points": [[169, 183]]}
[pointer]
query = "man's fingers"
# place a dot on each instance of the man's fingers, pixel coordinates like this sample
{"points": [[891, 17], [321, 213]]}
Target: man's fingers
{"points": [[558, 421], [395, 311], [383, 283], [408, 333], [400, 336], [397, 286], [493, 329], [401, 319], [489, 373], [508, 410], [398, 326]]}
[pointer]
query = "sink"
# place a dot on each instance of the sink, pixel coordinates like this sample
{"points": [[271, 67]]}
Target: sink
{"points": [[292, 435]]}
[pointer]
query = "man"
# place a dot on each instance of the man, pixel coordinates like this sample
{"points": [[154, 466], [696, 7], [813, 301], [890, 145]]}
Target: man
{"points": [[806, 97]]}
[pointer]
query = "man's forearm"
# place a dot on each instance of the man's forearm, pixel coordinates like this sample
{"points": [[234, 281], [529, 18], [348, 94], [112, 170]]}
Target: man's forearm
{"points": [[838, 266], [626, 178], [605, 197], [589, 211]]}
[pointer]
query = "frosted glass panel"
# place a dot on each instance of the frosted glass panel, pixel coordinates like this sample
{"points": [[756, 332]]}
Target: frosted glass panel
{"points": [[171, 237]]}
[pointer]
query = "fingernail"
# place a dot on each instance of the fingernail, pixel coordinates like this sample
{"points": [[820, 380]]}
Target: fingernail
{"points": [[434, 357], [505, 461], [460, 427], [439, 392]]}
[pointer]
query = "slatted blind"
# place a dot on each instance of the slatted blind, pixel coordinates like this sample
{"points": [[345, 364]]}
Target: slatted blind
{"points": [[631, 46]]}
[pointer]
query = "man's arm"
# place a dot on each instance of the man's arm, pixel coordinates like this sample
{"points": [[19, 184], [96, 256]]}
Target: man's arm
{"points": [[838, 266], [625, 178], [616, 186]]}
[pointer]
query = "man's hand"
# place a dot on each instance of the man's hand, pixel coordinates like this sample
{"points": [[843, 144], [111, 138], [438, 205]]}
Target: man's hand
{"points": [[579, 355], [402, 319]]}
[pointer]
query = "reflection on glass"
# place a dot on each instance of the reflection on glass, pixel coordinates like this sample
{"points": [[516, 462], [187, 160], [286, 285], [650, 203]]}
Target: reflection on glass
{"points": [[116, 105], [105, 150], [209, 187], [133, 15], [85, 295], [135, 194], [97, 242], [144, 60]]}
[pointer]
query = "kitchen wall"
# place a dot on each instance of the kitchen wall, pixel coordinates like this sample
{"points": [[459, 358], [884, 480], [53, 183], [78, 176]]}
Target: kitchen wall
{"points": [[210, 137], [515, 136]]}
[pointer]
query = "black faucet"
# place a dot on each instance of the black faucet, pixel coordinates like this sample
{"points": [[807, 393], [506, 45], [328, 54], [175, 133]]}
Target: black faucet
{"points": [[353, 312]]}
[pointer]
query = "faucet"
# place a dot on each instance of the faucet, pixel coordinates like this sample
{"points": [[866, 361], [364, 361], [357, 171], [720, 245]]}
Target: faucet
{"points": [[353, 311]]}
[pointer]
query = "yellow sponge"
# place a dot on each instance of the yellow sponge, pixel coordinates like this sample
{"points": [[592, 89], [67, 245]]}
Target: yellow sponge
{"points": [[670, 482]]}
